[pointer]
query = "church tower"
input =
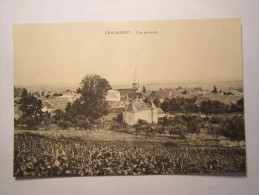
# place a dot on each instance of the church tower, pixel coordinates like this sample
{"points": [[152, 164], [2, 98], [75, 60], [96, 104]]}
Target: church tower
{"points": [[135, 84]]}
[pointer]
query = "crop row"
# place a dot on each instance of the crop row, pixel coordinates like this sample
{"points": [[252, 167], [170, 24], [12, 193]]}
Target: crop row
{"points": [[36, 156]]}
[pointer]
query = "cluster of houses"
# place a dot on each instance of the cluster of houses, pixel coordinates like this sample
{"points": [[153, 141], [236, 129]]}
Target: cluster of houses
{"points": [[130, 103], [134, 103]]}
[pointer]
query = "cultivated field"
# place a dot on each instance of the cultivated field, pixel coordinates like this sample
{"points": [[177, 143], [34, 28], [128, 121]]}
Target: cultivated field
{"points": [[90, 153]]}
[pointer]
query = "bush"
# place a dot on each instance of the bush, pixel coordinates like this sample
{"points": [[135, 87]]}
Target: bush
{"points": [[30, 122], [64, 125], [83, 124], [119, 118], [192, 127], [160, 130], [170, 144], [142, 122], [120, 127], [233, 128], [178, 130]]}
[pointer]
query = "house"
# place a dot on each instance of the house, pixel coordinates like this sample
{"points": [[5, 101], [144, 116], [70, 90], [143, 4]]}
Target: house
{"points": [[113, 95], [138, 109], [161, 95], [47, 107], [124, 93], [60, 102]]}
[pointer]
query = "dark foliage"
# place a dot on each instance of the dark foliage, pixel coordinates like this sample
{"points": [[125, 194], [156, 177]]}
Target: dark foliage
{"points": [[213, 107], [233, 128], [91, 103], [30, 107], [64, 125], [180, 104], [37, 156]]}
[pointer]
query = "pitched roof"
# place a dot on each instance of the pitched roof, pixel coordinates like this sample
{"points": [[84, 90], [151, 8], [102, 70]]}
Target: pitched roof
{"points": [[125, 92], [139, 105], [48, 105], [59, 103], [201, 99], [160, 111], [117, 104], [161, 94], [116, 110]]}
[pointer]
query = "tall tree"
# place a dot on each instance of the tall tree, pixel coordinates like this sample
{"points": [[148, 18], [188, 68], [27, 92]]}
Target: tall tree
{"points": [[144, 89], [192, 127], [92, 103], [31, 110], [215, 90]]}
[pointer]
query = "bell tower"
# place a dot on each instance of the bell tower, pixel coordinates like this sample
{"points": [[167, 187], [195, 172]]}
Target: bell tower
{"points": [[135, 84]]}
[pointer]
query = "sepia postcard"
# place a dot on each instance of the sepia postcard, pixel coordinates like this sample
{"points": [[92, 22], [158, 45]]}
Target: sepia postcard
{"points": [[128, 98]]}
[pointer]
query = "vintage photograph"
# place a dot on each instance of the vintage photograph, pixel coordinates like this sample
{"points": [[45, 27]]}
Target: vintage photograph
{"points": [[128, 98]]}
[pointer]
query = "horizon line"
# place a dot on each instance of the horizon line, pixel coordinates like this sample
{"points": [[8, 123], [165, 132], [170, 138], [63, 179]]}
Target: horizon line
{"points": [[130, 82]]}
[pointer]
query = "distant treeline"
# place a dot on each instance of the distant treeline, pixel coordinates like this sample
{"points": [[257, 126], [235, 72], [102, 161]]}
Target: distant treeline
{"points": [[180, 104]]}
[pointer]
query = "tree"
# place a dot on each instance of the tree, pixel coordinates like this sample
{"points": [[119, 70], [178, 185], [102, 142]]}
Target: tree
{"points": [[156, 102], [192, 127], [144, 89], [119, 118], [58, 115], [46, 119], [212, 107], [91, 103], [31, 110], [18, 91], [233, 128], [160, 130], [82, 123], [214, 89], [238, 107], [184, 92]]}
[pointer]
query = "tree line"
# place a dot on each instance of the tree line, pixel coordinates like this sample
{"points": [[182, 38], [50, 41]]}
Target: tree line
{"points": [[180, 104]]}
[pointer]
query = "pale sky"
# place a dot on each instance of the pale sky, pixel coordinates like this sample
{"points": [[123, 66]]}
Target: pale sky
{"points": [[181, 50]]}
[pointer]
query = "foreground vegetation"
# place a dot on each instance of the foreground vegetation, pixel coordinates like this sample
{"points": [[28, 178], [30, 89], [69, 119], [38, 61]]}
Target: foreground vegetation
{"points": [[39, 155]]}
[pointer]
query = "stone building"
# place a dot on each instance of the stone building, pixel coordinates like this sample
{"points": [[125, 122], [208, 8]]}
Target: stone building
{"points": [[138, 109]]}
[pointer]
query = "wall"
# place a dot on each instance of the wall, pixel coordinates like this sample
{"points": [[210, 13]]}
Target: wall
{"points": [[144, 115]]}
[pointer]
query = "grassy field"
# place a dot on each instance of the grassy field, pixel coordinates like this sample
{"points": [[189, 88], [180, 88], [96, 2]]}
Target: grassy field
{"points": [[90, 153]]}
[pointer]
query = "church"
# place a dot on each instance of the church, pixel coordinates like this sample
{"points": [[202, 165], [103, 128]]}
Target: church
{"points": [[129, 102]]}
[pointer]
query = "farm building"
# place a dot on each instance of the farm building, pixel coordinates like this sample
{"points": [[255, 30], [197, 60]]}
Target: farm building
{"points": [[137, 109]]}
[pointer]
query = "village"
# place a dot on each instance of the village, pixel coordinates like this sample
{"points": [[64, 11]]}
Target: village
{"points": [[134, 103], [138, 124]]}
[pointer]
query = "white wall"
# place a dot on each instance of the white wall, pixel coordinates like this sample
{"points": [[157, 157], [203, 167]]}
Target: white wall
{"points": [[144, 115]]}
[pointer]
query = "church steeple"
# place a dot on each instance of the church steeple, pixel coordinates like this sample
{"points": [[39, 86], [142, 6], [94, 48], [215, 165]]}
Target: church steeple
{"points": [[135, 84]]}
